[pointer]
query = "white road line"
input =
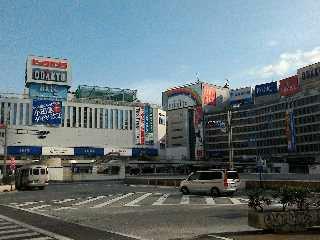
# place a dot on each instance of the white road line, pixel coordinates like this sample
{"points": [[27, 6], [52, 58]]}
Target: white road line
{"points": [[64, 200], [27, 203], [4, 223], [41, 238], [219, 237], [88, 201], [20, 235], [8, 227], [161, 200], [185, 199], [139, 199], [39, 230], [38, 207], [14, 230], [235, 201], [112, 201], [210, 201], [64, 208]]}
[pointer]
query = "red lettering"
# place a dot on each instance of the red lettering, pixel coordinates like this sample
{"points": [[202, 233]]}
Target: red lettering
{"points": [[47, 63]]}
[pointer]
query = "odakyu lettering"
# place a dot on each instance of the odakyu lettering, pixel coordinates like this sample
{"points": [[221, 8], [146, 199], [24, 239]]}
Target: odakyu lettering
{"points": [[51, 64], [311, 73], [49, 75]]}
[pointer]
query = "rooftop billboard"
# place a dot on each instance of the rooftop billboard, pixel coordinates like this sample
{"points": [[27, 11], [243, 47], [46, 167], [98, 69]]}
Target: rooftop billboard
{"points": [[48, 71], [289, 86], [266, 89]]}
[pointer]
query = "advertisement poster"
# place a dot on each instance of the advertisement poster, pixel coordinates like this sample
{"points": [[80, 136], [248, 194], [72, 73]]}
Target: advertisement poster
{"points": [[142, 132], [148, 125], [46, 112], [266, 89], [198, 125], [289, 86], [49, 91], [290, 131], [209, 95]]}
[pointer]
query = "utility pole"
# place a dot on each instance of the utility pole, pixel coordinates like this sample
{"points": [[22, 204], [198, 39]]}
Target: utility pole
{"points": [[231, 164]]}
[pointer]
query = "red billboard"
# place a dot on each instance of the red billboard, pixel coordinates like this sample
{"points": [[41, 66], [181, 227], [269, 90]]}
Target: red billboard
{"points": [[289, 86], [209, 95]]}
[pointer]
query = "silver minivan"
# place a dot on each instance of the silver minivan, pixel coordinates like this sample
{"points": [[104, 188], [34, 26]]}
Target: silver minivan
{"points": [[214, 182]]}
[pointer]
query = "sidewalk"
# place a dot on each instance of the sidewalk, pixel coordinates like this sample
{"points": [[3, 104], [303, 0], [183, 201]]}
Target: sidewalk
{"points": [[7, 188]]}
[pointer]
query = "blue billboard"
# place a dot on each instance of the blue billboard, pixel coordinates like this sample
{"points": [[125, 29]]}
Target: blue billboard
{"points": [[46, 112], [88, 151], [48, 91], [24, 150], [138, 152], [266, 89]]}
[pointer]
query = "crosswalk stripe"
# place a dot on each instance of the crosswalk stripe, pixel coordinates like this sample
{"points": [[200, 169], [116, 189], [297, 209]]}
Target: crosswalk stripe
{"points": [[161, 200], [139, 199], [64, 208], [235, 201], [185, 199], [28, 203], [42, 238], [14, 230], [8, 227], [112, 201], [64, 200], [39, 207], [210, 201], [20, 235], [88, 201], [5, 223]]}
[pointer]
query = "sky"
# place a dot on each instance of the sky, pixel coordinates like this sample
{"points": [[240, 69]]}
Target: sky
{"points": [[152, 45]]}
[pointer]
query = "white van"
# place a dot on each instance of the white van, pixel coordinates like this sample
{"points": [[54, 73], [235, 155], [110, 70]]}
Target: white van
{"points": [[214, 182], [31, 176]]}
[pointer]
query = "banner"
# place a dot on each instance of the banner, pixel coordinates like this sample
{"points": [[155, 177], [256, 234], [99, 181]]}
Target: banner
{"points": [[142, 132], [290, 131], [148, 125], [24, 150], [127, 152], [46, 112], [88, 151], [52, 151], [137, 125], [48, 91], [209, 95], [266, 89], [289, 86]]}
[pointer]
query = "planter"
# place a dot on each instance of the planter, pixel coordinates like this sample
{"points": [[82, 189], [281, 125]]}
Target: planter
{"points": [[284, 221]]}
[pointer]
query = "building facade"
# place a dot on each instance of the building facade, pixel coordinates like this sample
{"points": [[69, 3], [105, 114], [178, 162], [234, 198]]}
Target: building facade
{"points": [[280, 130], [50, 122]]}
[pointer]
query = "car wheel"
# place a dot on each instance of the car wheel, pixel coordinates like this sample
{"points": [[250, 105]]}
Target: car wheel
{"points": [[214, 192], [184, 190]]}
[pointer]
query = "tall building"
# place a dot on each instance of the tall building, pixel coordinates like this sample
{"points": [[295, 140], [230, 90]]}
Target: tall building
{"points": [[280, 128], [185, 106], [50, 122]]}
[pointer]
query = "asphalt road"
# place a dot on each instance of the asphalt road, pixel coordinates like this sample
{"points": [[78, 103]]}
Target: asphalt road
{"points": [[130, 211]]}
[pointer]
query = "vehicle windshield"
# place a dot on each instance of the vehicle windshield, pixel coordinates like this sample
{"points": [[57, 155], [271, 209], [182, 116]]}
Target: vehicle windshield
{"points": [[35, 171], [232, 175]]}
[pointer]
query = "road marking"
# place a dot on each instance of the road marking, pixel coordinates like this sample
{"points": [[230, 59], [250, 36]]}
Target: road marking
{"points": [[139, 199], [64, 200], [39, 207], [161, 200], [41, 238], [64, 208], [20, 235], [112, 201], [4, 223], [219, 237], [88, 201], [235, 201], [32, 228], [210, 201], [28, 203], [185, 199], [14, 230], [8, 227]]}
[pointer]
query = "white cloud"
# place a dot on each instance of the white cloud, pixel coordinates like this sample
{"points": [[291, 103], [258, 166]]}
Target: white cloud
{"points": [[272, 43], [287, 63]]}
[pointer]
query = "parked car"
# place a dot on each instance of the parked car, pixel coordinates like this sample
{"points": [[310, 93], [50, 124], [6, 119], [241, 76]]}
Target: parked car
{"points": [[214, 182]]}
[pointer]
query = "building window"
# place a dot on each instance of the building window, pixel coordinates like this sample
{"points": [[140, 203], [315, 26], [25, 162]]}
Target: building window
{"points": [[28, 113], [15, 110], [130, 119], [85, 117], [126, 119], [21, 114], [79, 116], [111, 118], [117, 118], [95, 117], [74, 116], [121, 119], [90, 117], [106, 118]]}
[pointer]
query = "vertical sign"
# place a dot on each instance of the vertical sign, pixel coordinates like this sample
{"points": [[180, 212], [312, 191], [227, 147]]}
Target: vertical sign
{"points": [[137, 121], [148, 125], [290, 131], [142, 132]]}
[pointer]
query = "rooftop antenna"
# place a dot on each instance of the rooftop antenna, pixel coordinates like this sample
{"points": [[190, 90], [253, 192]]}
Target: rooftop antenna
{"points": [[197, 77], [227, 85]]}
